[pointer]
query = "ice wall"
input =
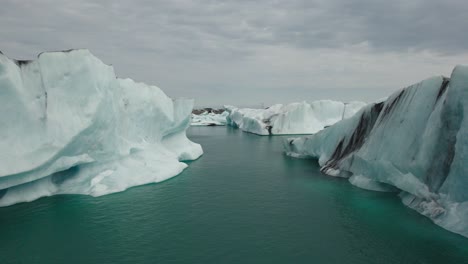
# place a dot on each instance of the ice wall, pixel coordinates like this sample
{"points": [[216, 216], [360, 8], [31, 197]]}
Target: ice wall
{"points": [[414, 143], [294, 118], [68, 125]]}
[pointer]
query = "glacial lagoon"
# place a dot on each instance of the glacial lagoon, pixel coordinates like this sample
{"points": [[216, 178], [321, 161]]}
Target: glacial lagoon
{"points": [[243, 201]]}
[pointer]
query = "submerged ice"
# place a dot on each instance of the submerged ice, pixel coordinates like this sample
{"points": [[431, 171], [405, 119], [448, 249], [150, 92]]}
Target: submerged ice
{"points": [[69, 126], [414, 143], [294, 118]]}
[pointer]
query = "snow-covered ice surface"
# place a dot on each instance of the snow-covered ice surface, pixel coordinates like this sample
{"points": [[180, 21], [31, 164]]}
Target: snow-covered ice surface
{"points": [[209, 119], [69, 126], [294, 118], [414, 143]]}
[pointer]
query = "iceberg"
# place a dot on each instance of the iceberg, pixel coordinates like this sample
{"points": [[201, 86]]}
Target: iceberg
{"points": [[209, 117], [69, 126], [294, 118], [414, 143]]}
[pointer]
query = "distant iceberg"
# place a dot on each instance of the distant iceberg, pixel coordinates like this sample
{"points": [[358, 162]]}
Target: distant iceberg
{"points": [[415, 143], [209, 117], [294, 118], [69, 126]]}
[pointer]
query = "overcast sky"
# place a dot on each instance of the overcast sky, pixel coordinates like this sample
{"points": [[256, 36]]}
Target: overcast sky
{"points": [[251, 52]]}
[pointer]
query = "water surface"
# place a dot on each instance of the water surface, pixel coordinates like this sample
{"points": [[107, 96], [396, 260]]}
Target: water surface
{"points": [[244, 201]]}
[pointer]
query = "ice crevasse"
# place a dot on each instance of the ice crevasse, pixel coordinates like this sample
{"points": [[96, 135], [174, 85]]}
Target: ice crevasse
{"points": [[414, 143], [293, 118], [69, 126]]}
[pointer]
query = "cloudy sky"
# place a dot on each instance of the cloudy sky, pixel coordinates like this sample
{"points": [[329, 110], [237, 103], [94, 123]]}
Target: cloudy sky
{"points": [[251, 52]]}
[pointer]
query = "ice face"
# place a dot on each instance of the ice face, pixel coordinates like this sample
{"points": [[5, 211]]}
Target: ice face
{"points": [[413, 142], [70, 126], [294, 118]]}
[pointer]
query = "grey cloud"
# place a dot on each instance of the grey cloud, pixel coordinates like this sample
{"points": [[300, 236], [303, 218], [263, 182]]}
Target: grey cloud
{"points": [[201, 48], [193, 26]]}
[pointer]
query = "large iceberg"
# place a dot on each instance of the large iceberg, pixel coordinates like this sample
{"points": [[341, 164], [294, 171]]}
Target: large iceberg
{"points": [[294, 118], [209, 117], [69, 126], [414, 143]]}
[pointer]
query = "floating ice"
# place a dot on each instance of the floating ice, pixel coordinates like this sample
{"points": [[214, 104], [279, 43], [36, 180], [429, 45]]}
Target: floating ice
{"points": [[209, 117], [414, 142], [69, 126], [294, 118]]}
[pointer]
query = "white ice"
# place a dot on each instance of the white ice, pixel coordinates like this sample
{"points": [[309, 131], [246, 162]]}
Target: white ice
{"points": [[294, 118], [69, 126], [209, 119], [414, 142]]}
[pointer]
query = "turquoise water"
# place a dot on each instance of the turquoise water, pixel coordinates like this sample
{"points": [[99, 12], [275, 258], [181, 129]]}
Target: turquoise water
{"points": [[242, 202]]}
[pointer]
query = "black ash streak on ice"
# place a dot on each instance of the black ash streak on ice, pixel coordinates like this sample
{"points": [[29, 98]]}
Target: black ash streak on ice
{"points": [[430, 177], [207, 110], [443, 88], [365, 125], [200, 112], [22, 63], [368, 121], [437, 174]]}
